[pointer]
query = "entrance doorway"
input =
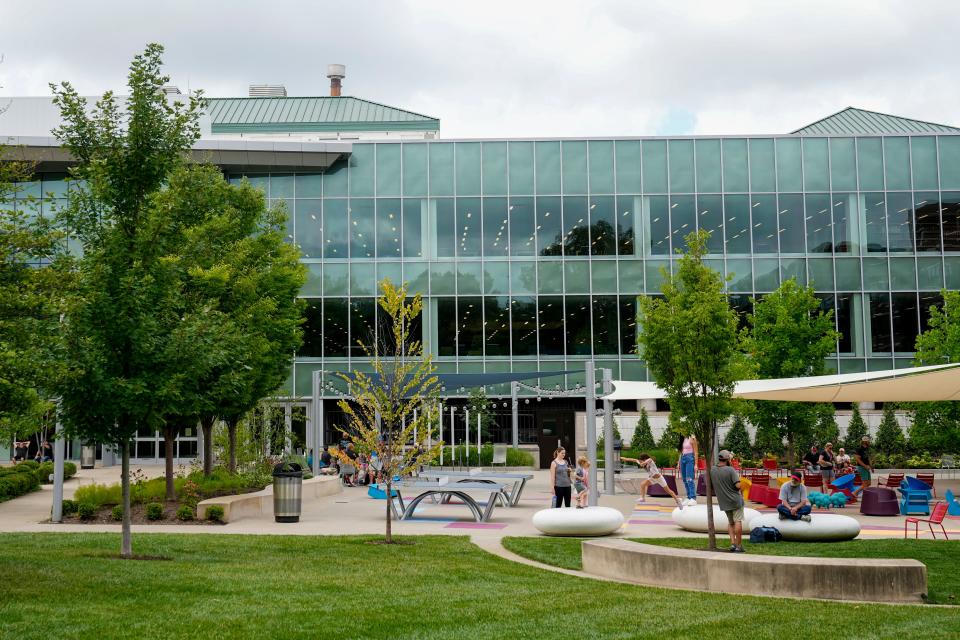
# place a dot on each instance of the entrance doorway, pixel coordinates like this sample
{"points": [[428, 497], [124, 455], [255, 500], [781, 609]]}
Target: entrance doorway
{"points": [[555, 431]]}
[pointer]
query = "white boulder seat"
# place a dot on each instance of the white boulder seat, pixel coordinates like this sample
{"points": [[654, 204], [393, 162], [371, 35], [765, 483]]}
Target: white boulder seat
{"points": [[590, 521], [823, 527], [694, 518]]}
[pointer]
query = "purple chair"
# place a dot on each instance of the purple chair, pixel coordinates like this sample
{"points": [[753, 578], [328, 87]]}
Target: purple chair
{"points": [[656, 491], [879, 501], [702, 485]]}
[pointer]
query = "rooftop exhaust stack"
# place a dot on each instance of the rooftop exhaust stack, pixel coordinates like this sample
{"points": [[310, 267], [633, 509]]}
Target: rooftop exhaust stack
{"points": [[267, 91], [336, 73], [170, 90]]}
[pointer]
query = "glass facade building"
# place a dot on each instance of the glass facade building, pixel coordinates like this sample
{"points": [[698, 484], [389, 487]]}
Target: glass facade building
{"points": [[530, 254]]}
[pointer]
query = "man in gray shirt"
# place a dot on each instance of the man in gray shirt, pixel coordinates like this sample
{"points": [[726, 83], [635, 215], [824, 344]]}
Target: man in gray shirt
{"points": [[726, 486]]}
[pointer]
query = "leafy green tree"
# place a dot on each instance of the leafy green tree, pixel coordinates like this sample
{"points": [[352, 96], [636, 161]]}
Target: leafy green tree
{"points": [[399, 399], [125, 309], [826, 429], [890, 437], [789, 336], [936, 425], [689, 341], [737, 439], [768, 439], [616, 436], [478, 404], [642, 439], [855, 430], [35, 277]]}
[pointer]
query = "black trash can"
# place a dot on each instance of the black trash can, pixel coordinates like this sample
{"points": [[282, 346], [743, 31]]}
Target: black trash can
{"points": [[287, 492]]}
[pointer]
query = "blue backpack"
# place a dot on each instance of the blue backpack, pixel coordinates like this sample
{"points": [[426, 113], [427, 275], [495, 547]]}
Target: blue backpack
{"points": [[765, 534]]}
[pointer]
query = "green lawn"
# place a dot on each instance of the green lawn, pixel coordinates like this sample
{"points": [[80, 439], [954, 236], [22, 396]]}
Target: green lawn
{"points": [[223, 586], [942, 558]]}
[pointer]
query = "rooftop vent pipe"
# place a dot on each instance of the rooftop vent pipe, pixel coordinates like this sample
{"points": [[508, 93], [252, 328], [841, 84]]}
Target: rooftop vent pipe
{"points": [[267, 91], [170, 90], [336, 73]]}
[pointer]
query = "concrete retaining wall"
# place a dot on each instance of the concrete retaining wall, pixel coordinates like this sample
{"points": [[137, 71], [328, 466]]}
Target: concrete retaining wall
{"points": [[251, 505], [871, 580]]}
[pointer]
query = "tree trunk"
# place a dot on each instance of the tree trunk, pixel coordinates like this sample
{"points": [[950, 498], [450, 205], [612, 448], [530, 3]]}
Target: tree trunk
{"points": [[169, 436], [232, 438], [791, 452], [711, 526], [126, 544], [207, 425], [389, 536]]}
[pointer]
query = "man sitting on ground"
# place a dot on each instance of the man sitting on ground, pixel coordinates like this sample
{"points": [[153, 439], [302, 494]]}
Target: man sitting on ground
{"points": [[793, 500], [726, 486]]}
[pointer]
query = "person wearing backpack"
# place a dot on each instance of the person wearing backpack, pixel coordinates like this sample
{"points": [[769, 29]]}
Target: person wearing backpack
{"points": [[726, 486]]}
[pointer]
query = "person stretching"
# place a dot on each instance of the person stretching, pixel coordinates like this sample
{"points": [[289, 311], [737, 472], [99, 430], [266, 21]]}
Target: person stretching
{"points": [[653, 476], [793, 500]]}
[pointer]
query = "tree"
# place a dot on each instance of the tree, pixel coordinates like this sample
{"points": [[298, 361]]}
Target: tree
{"points": [[642, 439], [616, 436], [789, 336], [689, 341], [890, 435], [826, 429], [35, 277], [856, 429], [398, 403], [936, 425], [124, 311], [768, 440], [479, 405], [737, 439]]}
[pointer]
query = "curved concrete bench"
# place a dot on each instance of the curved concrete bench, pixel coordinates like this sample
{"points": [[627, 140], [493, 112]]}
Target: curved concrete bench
{"points": [[252, 505], [859, 579]]}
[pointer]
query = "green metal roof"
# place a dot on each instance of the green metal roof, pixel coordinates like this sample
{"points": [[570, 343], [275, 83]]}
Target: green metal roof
{"points": [[853, 121], [285, 115]]}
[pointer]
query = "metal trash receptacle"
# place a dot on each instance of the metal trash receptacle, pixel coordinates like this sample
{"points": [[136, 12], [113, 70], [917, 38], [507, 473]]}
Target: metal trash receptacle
{"points": [[88, 456], [287, 492]]}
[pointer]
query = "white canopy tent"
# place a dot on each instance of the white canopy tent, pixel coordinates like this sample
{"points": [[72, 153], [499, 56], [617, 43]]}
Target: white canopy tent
{"points": [[917, 384]]}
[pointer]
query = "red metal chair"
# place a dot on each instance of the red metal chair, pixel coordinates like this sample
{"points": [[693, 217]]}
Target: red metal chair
{"points": [[927, 478], [762, 478], [771, 465], [936, 518], [736, 464], [813, 481], [772, 497], [893, 481], [701, 464]]}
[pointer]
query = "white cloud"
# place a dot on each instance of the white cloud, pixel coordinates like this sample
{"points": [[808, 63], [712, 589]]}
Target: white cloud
{"points": [[521, 68]]}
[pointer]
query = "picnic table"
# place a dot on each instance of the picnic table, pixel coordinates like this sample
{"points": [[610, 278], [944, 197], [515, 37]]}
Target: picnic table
{"points": [[511, 495], [445, 491]]}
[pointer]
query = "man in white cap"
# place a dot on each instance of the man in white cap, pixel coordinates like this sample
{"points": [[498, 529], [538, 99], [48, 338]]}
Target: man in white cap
{"points": [[726, 486]]}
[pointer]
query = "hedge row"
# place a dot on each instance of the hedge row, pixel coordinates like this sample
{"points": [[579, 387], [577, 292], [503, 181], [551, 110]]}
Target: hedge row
{"points": [[28, 476]]}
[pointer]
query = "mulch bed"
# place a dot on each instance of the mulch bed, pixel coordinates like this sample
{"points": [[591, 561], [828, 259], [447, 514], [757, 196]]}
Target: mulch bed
{"points": [[138, 515]]}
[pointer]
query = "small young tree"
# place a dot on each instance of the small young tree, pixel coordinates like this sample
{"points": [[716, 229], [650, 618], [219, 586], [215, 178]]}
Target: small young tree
{"points": [[738, 438], [890, 437], [399, 399], [689, 341], [856, 429], [826, 429], [478, 404], [768, 440], [642, 439], [936, 425]]}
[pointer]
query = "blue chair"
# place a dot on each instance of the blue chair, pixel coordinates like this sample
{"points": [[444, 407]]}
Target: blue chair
{"points": [[914, 496], [953, 505]]}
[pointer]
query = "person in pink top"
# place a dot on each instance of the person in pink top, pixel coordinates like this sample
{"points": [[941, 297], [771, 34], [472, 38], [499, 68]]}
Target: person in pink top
{"points": [[689, 452]]}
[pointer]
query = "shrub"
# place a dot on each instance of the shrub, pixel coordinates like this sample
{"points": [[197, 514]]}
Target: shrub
{"points": [[69, 507], [642, 435], [98, 494], [855, 430], [30, 464], [86, 510], [737, 439], [69, 470], [154, 511], [890, 438], [923, 461], [117, 513], [215, 513], [185, 513]]}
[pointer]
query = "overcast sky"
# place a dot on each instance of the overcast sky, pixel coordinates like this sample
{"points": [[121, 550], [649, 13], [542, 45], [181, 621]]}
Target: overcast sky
{"points": [[521, 68]]}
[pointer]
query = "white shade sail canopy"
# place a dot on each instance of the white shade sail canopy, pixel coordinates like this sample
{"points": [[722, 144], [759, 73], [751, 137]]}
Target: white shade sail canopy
{"points": [[917, 384]]}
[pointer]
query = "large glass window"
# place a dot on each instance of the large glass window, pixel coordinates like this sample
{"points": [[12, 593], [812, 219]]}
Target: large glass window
{"points": [[312, 346], [628, 225], [737, 221], [335, 179], [447, 235], [310, 228], [335, 224], [389, 228], [846, 221], [789, 165], [574, 167], [950, 215], [606, 338], [469, 326], [903, 307], [446, 326], [496, 323], [710, 218], [681, 166], [414, 217], [362, 242], [603, 237], [468, 227], [900, 221], [927, 220], [791, 223], [658, 215], [550, 321], [362, 169], [468, 168], [388, 169], [496, 277], [523, 236], [654, 166], [628, 166], [414, 169], [549, 226], [819, 227], [469, 277], [628, 325], [682, 220], [735, 174], [521, 167], [523, 326], [763, 210], [309, 185], [843, 165], [880, 341], [578, 325], [708, 166], [870, 162], [923, 155], [495, 168], [928, 299], [601, 166], [896, 162], [441, 169], [496, 232], [762, 165], [362, 325], [815, 164], [847, 321], [875, 218], [576, 238], [949, 162], [548, 167]]}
